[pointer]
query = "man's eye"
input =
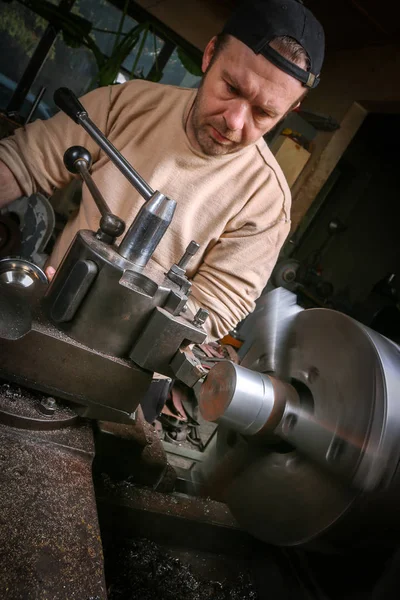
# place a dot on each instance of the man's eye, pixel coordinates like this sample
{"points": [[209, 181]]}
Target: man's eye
{"points": [[231, 89], [263, 114]]}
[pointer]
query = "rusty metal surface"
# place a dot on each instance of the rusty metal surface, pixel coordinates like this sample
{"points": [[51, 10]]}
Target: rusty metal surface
{"points": [[172, 519], [134, 452], [107, 387], [50, 546], [29, 410]]}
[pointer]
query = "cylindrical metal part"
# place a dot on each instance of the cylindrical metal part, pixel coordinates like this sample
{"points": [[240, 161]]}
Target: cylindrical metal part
{"points": [[101, 204], [336, 475], [238, 398], [147, 230]]}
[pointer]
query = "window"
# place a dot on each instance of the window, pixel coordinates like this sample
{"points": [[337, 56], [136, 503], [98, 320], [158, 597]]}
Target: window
{"points": [[20, 32], [153, 53]]}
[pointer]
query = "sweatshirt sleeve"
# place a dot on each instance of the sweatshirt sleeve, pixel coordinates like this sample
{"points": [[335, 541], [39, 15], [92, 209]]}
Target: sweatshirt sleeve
{"points": [[236, 269], [35, 152]]}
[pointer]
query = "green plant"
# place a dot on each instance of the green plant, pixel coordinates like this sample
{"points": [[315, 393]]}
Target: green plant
{"points": [[78, 31]]}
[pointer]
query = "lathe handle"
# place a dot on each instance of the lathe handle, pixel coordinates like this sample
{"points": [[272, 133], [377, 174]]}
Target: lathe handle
{"points": [[69, 103], [66, 100]]}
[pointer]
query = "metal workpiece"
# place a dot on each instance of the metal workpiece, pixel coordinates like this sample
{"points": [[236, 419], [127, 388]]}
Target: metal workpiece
{"points": [[342, 410], [147, 230], [161, 339], [348, 385], [243, 400], [66, 100], [329, 475]]}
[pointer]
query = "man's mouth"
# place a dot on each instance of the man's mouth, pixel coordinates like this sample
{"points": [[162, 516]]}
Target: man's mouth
{"points": [[218, 137]]}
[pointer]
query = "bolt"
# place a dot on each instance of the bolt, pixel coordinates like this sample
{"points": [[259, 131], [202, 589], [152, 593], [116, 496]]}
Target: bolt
{"points": [[189, 252], [47, 406], [312, 375], [200, 317]]}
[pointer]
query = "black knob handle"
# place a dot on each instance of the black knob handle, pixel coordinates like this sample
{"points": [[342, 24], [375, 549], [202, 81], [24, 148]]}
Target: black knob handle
{"points": [[66, 100], [75, 153]]}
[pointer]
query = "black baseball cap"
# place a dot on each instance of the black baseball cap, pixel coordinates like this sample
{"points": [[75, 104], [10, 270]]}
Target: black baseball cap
{"points": [[257, 22]]}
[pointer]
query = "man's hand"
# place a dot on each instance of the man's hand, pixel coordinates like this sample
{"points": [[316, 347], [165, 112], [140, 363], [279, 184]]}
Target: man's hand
{"points": [[50, 272], [9, 187]]}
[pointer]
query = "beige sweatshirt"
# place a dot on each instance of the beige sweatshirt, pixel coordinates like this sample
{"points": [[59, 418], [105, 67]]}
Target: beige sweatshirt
{"points": [[237, 207]]}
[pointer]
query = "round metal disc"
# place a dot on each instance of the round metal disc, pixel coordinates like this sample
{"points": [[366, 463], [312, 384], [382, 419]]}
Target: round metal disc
{"points": [[341, 444], [286, 500], [337, 362]]}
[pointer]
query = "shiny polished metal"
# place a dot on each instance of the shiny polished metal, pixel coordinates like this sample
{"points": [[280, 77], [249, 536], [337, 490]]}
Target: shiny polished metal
{"points": [[326, 470], [147, 230], [267, 333], [240, 399], [20, 273]]}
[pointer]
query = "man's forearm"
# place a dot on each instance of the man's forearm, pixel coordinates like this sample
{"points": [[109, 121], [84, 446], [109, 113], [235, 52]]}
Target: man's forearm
{"points": [[9, 186]]}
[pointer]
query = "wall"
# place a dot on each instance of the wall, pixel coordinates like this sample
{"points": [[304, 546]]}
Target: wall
{"points": [[353, 83], [194, 20], [365, 199]]}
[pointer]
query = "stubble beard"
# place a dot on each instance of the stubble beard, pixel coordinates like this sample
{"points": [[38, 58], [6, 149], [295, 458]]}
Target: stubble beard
{"points": [[202, 131]]}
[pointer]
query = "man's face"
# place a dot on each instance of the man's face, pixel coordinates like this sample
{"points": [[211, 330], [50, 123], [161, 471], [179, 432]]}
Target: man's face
{"points": [[241, 98]]}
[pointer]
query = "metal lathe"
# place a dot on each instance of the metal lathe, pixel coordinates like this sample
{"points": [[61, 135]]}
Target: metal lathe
{"points": [[307, 447]]}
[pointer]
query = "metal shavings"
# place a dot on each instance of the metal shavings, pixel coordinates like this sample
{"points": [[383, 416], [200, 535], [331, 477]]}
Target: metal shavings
{"points": [[140, 569]]}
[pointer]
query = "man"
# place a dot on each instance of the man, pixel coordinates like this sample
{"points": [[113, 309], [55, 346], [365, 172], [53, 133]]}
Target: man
{"points": [[202, 148]]}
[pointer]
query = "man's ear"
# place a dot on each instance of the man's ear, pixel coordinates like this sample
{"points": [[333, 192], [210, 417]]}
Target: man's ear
{"points": [[296, 105], [208, 54]]}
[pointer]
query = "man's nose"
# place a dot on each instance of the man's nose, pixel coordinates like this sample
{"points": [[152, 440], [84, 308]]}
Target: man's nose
{"points": [[235, 114]]}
